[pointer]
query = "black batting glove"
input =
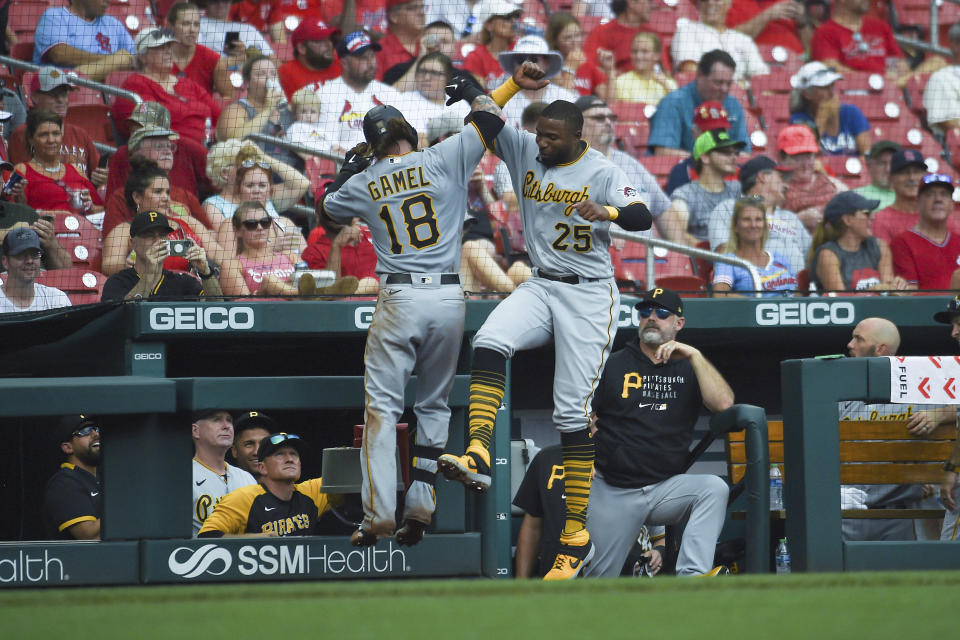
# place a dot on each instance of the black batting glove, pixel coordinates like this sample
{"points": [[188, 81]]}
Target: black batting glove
{"points": [[463, 87], [357, 159]]}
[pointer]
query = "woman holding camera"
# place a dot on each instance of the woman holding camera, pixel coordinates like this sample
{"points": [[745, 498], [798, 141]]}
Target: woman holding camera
{"points": [[49, 184], [148, 189]]}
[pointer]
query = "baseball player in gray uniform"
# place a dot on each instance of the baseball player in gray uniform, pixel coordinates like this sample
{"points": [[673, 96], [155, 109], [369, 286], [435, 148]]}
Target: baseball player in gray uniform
{"points": [[414, 203], [569, 194]]}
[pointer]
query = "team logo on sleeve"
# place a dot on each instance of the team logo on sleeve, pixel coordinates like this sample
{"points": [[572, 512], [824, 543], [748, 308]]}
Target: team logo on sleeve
{"points": [[629, 192]]}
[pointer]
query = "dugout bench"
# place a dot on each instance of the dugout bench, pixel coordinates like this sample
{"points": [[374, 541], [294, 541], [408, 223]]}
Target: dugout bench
{"points": [[811, 389]]}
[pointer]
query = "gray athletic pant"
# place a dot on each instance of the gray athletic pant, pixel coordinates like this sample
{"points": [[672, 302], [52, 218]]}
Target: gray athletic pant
{"points": [[615, 515], [415, 329]]}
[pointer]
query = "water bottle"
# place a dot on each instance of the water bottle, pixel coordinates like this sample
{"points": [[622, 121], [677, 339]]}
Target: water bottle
{"points": [[776, 488], [783, 557], [208, 132]]}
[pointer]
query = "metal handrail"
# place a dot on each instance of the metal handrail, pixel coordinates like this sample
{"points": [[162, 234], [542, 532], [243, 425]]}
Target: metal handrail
{"points": [[923, 46], [75, 79], [294, 147], [693, 252]]}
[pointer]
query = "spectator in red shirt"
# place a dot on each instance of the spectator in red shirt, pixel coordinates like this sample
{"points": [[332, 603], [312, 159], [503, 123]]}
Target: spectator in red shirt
{"points": [[927, 255], [345, 250], [202, 65], [855, 41], [314, 60], [617, 35], [286, 15], [50, 90], [255, 13], [189, 104], [406, 20], [499, 19], [188, 168], [771, 22]]}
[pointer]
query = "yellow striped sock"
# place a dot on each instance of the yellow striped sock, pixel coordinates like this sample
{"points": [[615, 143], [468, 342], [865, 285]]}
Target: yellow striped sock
{"points": [[577, 463], [486, 394]]}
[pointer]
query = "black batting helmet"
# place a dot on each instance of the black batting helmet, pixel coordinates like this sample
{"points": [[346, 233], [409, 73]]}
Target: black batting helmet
{"points": [[375, 125]]}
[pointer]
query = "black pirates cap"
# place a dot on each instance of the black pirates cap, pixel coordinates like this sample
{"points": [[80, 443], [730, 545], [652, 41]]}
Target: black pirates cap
{"points": [[269, 445], [70, 424], [254, 419], [951, 312], [664, 298]]}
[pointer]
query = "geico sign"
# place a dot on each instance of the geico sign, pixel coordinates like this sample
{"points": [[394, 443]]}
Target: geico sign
{"points": [[301, 559], [148, 356], [211, 318], [363, 316], [797, 313]]}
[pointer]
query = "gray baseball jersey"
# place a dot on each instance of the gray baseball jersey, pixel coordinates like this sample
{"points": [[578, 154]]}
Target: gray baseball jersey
{"points": [[414, 204], [558, 240], [210, 486]]}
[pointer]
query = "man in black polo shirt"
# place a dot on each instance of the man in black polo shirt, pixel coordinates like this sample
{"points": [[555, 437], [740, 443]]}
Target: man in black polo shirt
{"points": [[73, 499], [148, 279], [646, 405], [279, 505]]}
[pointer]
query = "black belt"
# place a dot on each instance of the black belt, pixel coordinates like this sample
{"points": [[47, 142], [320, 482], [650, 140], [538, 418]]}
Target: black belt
{"points": [[565, 279], [406, 278]]}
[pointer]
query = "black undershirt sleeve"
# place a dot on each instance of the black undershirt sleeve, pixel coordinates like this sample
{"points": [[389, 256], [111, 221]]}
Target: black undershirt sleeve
{"points": [[489, 126]]}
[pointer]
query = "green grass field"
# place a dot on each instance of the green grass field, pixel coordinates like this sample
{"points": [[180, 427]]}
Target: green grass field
{"points": [[877, 605]]}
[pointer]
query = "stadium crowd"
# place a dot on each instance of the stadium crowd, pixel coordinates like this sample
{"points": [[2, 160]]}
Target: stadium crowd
{"points": [[799, 138], [256, 102]]}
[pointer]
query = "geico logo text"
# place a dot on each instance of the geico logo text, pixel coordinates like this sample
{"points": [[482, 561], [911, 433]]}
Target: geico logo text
{"points": [[148, 356], [210, 318], [363, 316], [799, 313]]}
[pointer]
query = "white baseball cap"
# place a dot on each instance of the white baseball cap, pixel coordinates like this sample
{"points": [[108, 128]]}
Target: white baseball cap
{"points": [[491, 8], [527, 46], [814, 74], [150, 38]]}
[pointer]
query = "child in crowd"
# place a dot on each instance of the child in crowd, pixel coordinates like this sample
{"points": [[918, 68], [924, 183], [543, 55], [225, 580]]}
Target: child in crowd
{"points": [[307, 130]]}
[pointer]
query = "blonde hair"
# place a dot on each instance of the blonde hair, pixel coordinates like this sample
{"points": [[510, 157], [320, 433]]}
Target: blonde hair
{"points": [[744, 203], [305, 97], [825, 232], [222, 156]]}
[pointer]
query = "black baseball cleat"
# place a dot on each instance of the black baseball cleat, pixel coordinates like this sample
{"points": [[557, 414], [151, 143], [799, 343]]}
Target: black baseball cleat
{"points": [[410, 533], [362, 538], [470, 469]]}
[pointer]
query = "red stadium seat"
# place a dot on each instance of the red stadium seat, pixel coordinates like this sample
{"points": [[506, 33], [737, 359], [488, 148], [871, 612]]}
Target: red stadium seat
{"points": [[850, 169], [774, 108], [24, 15], [136, 15], [82, 286], [686, 286], [878, 108], [771, 83], [95, 118], [803, 282], [81, 239], [660, 166]]}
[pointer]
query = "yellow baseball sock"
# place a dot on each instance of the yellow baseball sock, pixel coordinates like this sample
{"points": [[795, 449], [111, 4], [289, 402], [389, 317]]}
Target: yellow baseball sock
{"points": [[577, 462]]}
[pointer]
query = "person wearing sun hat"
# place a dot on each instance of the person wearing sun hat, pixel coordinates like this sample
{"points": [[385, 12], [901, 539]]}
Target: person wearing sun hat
{"points": [[535, 49]]}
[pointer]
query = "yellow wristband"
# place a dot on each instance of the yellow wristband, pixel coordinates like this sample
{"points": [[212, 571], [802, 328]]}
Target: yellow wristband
{"points": [[502, 94], [613, 211]]}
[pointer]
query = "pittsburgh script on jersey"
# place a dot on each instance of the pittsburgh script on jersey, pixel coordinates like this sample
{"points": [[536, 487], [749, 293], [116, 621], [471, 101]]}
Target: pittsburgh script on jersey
{"points": [[654, 387], [286, 526], [402, 180], [550, 193]]}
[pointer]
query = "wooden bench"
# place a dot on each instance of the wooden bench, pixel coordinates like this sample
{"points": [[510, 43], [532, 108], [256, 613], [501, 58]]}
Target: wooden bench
{"points": [[871, 452]]}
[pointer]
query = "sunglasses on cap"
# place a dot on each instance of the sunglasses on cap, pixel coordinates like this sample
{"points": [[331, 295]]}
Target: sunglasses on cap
{"points": [[932, 178], [250, 164], [645, 312], [85, 430], [251, 225], [279, 438], [158, 34]]}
